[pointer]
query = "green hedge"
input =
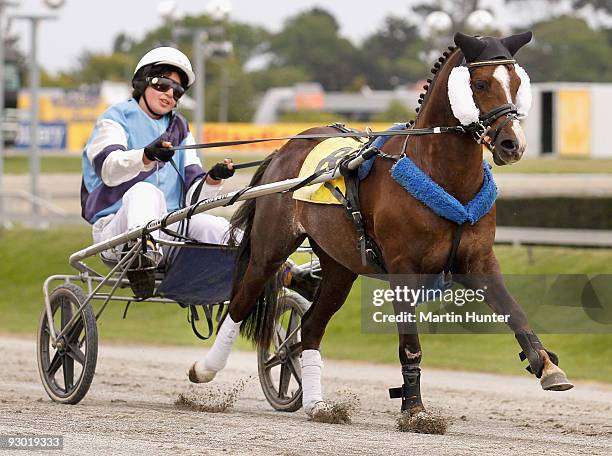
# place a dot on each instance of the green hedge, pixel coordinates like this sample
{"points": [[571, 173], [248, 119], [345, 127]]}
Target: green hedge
{"points": [[586, 213]]}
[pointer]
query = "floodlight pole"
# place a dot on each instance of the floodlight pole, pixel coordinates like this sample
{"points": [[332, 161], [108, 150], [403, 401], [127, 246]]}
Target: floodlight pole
{"points": [[34, 114], [3, 5], [200, 36]]}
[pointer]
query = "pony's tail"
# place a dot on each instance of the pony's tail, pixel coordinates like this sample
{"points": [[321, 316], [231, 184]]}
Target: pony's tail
{"points": [[259, 325]]}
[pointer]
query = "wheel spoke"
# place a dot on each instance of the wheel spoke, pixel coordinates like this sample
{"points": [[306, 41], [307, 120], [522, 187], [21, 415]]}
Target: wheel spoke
{"points": [[285, 377], [76, 354], [75, 331], [68, 365], [280, 335], [66, 312], [272, 362], [290, 322], [54, 365]]}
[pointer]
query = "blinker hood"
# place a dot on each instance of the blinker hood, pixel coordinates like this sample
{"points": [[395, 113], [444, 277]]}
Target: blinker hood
{"points": [[490, 48]]}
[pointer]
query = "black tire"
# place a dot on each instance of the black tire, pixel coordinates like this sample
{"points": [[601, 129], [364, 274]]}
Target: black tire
{"points": [[79, 354], [276, 367]]}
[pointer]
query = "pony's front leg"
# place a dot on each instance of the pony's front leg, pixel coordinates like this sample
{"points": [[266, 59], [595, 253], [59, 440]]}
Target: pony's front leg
{"points": [[542, 363], [409, 356]]}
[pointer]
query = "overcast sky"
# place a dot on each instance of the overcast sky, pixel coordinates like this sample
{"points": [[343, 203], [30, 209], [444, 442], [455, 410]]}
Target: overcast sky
{"points": [[93, 24]]}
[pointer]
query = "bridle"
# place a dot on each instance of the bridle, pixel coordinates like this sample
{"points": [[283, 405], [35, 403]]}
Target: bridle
{"points": [[482, 131]]}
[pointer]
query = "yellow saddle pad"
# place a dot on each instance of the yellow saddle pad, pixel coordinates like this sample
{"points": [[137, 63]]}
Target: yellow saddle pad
{"points": [[325, 155]]}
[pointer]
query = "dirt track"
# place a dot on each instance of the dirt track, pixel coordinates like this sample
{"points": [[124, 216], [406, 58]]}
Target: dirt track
{"points": [[130, 410]]}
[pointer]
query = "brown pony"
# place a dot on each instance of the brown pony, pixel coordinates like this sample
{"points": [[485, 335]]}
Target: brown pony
{"points": [[275, 225]]}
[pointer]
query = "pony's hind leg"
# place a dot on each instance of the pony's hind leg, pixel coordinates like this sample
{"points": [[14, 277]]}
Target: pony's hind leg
{"points": [[243, 303], [261, 254], [336, 281]]}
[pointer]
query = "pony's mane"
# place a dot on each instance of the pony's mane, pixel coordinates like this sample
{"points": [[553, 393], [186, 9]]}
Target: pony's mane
{"points": [[430, 81]]}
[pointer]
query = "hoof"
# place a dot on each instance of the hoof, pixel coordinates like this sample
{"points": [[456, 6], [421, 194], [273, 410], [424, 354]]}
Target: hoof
{"points": [[323, 412], [553, 378], [199, 374], [422, 422], [556, 382], [319, 407]]}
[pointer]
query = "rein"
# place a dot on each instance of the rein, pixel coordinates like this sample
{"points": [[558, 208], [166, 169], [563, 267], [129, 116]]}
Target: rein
{"points": [[356, 134], [479, 130]]}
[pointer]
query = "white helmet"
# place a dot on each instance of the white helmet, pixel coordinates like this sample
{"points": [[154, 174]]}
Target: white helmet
{"points": [[168, 56]]}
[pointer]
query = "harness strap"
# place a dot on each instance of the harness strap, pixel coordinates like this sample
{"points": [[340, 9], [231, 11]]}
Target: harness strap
{"points": [[370, 252], [177, 235], [193, 316], [198, 190], [238, 194], [453, 253], [306, 181]]}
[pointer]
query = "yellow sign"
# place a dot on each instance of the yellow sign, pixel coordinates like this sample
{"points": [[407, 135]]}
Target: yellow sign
{"points": [[325, 155], [215, 132], [78, 133], [574, 111], [77, 108]]}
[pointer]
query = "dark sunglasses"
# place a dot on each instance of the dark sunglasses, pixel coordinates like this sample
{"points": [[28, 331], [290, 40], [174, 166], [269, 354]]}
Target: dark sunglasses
{"points": [[164, 84]]}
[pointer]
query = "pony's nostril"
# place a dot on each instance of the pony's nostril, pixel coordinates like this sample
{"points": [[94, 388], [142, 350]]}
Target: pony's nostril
{"points": [[509, 145]]}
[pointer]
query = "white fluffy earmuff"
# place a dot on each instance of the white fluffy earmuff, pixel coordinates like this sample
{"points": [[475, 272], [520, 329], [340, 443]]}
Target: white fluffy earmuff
{"points": [[462, 99], [523, 96]]}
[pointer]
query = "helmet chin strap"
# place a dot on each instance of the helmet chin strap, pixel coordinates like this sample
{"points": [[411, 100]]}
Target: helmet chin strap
{"points": [[149, 107]]}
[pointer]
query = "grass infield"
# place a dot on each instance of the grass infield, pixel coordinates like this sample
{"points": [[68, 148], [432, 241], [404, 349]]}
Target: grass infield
{"points": [[29, 256]]}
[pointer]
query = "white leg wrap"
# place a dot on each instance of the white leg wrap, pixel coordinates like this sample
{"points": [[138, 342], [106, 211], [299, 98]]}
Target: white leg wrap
{"points": [[311, 379], [216, 358]]}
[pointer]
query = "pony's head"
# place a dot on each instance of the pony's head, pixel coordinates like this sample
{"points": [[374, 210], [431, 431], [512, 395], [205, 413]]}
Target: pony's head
{"points": [[489, 92]]}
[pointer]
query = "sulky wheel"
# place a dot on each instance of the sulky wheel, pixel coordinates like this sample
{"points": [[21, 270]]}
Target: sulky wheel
{"points": [[67, 369], [279, 368]]}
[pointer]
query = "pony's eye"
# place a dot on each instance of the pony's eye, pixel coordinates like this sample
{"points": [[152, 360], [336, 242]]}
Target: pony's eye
{"points": [[480, 84]]}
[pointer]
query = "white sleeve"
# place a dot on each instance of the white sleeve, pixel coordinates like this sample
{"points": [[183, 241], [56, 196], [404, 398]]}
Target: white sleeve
{"points": [[107, 152]]}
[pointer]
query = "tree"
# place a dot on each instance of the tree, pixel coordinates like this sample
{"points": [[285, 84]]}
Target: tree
{"points": [[567, 49], [390, 56], [276, 76], [62, 79], [232, 88], [310, 41], [604, 6], [95, 68]]}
